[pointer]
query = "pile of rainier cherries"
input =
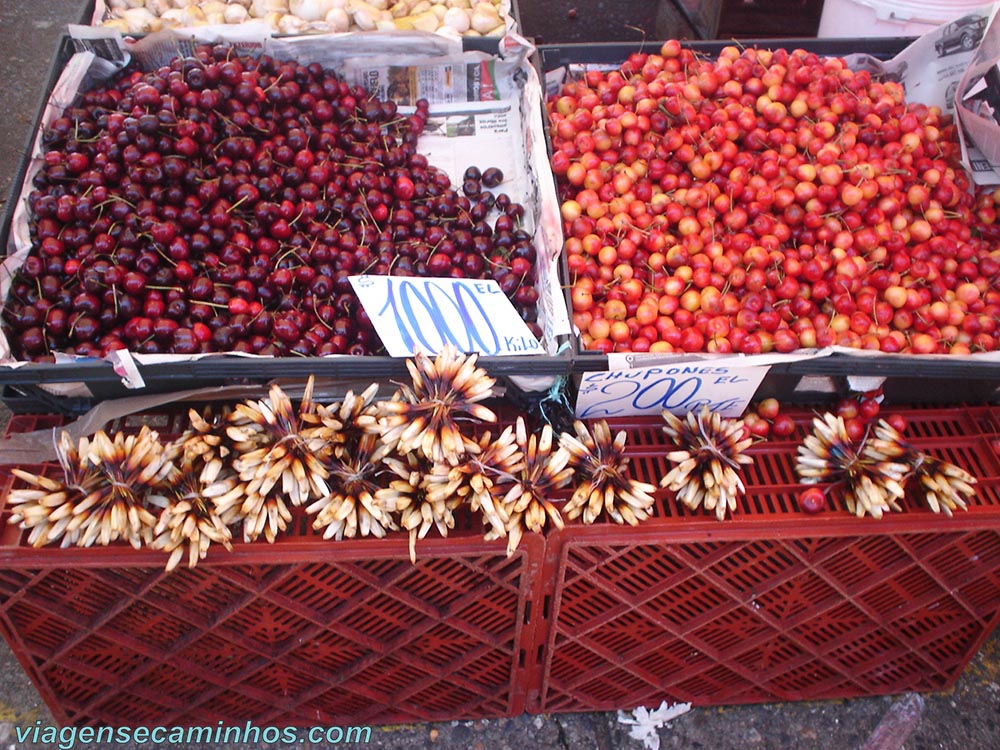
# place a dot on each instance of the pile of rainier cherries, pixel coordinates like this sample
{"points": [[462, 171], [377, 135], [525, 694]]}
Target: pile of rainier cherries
{"points": [[768, 201]]}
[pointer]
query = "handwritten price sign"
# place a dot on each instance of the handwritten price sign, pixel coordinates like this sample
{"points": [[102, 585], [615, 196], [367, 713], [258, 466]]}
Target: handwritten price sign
{"points": [[428, 313], [676, 388]]}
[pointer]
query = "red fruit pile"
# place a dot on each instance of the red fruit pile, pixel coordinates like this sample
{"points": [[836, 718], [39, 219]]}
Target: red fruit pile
{"points": [[220, 204], [765, 419], [861, 412], [768, 201]]}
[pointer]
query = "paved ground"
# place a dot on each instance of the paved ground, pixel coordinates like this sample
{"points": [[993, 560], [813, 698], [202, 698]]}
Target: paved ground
{"points": [[965, 718]]}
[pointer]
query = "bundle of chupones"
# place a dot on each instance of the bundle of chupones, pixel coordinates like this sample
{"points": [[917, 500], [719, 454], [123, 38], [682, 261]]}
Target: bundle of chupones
{"points": [[360, 467], [876, 472]]}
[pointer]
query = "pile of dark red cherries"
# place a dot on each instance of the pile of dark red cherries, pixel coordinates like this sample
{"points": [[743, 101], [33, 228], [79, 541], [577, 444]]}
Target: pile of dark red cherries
{"points": [[220, 203]]}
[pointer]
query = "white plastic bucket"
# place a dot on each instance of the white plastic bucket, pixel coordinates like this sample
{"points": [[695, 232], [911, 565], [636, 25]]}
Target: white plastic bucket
{"points": [[877, 18]]}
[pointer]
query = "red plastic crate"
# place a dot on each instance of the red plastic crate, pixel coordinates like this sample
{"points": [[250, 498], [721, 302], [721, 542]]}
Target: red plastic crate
{"points": [[772, 604], [324, 633], [305, 631], [769, 605]]}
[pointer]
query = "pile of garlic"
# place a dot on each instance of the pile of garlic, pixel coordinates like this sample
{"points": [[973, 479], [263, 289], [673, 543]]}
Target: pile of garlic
{"points": [[448, 17]]}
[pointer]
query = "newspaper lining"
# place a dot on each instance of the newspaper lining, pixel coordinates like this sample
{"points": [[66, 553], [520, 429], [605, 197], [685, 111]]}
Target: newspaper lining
{"points": [[977, 106], [957, 67]]}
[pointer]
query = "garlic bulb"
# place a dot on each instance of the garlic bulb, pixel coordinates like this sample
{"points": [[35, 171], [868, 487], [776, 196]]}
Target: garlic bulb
{"points": [[158, 7], [310, 10], [457, 19], [235, 13], [289, 24], [193, 16], [425, 21], [365, 16], [141, 21], [484, 18], [450, 33], [400, 10], [119, 24], [263, 8], [338, 20], [173, 18]]}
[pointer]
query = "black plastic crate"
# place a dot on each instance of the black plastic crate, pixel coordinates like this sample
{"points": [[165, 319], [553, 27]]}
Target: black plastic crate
{"points": [[25, 386], [910, 378], [30, 399], [63, 51]]}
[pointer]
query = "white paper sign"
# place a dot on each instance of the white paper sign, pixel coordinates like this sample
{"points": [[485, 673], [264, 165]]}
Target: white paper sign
{"points": [[678, 388], [425, 314]]}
